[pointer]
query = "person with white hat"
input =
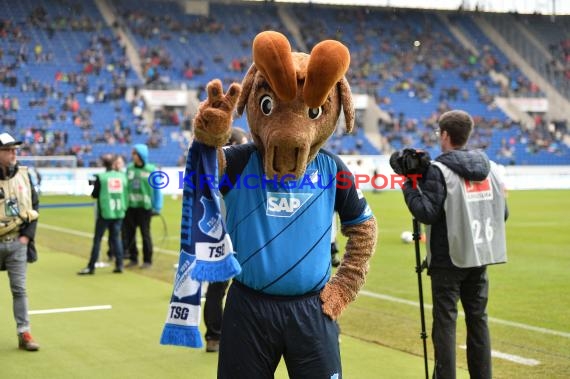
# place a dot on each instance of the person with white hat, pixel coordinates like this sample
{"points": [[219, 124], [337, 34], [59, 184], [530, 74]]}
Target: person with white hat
{"points": [[19, 205]]}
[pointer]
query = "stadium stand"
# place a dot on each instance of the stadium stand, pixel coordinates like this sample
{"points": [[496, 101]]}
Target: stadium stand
{"points": [[70, 88]]}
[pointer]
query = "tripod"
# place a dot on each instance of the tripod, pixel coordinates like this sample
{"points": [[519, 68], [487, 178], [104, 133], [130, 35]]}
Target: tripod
{"points": [[419, 268]]}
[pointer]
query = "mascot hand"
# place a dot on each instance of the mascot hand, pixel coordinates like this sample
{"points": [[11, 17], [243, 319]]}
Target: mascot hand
{"points": [[343, 287], [213, 122], [335, 299]]}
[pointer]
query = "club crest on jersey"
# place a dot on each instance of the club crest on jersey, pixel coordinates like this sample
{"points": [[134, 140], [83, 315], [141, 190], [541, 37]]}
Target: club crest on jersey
{"points": [[285, 204], [211, 221]]}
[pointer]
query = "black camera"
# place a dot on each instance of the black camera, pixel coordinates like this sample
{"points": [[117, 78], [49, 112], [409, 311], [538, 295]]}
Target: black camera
{"points": [[410, 161]]}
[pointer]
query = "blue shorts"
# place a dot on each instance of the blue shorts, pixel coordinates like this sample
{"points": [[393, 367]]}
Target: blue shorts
{"points": [[258, 329]]}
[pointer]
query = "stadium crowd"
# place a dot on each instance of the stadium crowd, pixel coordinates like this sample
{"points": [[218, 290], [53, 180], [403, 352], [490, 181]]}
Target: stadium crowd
{"points": [[401, 58]]}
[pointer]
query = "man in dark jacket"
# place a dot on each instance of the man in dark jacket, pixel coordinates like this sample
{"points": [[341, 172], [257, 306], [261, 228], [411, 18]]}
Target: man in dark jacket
{"points": [[460, 199]]}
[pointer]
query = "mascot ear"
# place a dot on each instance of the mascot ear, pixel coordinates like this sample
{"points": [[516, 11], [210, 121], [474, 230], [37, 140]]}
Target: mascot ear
{"points": [[328, 63], [347, 104], [246, 86], [272, 57]]}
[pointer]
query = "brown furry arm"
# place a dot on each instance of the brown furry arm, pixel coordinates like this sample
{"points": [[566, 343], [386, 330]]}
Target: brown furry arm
{"points": [[213, 121], [344, 286]]}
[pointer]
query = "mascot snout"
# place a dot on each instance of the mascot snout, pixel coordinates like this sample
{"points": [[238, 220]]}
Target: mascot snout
{"points": [[286, 154]]}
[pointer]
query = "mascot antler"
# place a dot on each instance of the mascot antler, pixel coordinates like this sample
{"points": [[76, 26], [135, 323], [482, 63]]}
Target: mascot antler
{"points": [[272, 56], [328, 63], [329, 60]]}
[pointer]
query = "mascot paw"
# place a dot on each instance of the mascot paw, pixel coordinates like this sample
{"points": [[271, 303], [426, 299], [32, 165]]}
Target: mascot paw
{"points": [[213, 122], [334, 300]]}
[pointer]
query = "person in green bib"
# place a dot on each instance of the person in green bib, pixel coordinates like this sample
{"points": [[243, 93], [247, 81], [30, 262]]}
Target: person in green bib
{"points": [[144, 202], [110, 190]]}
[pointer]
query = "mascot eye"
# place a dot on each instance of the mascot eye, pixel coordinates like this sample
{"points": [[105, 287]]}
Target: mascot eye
{"points": [[315, 113], [266, 105]]}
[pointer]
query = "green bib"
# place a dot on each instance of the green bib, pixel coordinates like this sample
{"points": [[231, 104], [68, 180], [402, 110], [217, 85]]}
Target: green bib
{"points": [[113, 195], [140, 191]]}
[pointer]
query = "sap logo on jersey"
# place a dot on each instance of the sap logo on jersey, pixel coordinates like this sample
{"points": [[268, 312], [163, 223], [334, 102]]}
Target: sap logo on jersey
{"points": [[285, 204]]}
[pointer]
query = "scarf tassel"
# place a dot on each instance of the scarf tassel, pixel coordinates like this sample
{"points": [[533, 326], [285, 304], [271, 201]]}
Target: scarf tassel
{"points": [[216, 271], [187, 336]]}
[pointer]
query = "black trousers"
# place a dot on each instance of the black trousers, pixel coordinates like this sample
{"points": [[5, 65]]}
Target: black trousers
{"points": [[137, 218], [471, 286], [259, 329], [213, 309]]}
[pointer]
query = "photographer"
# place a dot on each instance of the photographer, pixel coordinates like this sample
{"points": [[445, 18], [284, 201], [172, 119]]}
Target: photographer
{"points": [[109, 188], [19, 206], [460, 198]]}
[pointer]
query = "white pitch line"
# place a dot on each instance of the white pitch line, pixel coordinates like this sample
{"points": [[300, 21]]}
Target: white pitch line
{"points": [[528, 327], [167, 252], [65, 310], [66, 230], [392, 299], [90, 235], [511, 357], [363, 292], [491, 319]]}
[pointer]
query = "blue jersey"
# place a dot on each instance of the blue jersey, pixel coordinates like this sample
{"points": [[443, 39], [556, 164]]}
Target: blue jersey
{"points": [[281, 229]]}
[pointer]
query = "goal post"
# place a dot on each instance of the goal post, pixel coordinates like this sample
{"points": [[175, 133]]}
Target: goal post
{"points": [[63, 161]]}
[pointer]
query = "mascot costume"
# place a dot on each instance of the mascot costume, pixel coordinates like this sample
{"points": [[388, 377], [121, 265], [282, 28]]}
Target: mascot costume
{"points": [[280, 194]]}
